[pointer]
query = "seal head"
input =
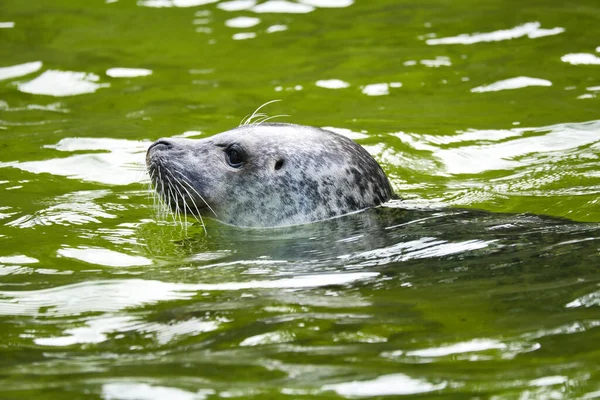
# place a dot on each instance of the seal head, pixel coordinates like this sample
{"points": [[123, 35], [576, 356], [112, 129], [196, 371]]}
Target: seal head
{"points": [[267, 175]]}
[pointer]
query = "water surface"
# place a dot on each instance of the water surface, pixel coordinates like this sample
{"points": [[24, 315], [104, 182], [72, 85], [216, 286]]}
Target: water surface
{"points": [[483, 281]]}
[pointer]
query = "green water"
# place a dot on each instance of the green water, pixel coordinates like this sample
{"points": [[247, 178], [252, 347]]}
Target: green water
{"points": [[467, 105]]}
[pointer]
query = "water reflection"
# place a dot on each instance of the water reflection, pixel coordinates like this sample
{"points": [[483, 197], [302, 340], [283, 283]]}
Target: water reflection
{"points": [[63, 83], [76, 208], [18, 259], [236, 5], [588, 300], [105, 257], [115, 295], [144, 391], [270, 6], [127, 72], [16, 71], [332, 84], [328, 3], [100, 329], [282, 7], [202, 20], [532, 30], [52, 107], [102, 298], [439, 61], [120, 162], [242, 22], [244, 35], [277, 28], [385, 385], [581, 59], [512, 83], [174, 3], [525, 161], [380, 89]]}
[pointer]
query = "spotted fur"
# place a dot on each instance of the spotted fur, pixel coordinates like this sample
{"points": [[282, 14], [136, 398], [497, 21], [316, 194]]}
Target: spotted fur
{"points": [[292, 175]]}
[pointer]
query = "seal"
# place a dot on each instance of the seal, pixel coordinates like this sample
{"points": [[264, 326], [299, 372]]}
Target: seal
{"points": [[267, 175]]}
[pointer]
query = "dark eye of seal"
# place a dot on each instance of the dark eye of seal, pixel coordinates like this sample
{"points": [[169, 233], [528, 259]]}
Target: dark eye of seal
{"points": [[235, 156]]}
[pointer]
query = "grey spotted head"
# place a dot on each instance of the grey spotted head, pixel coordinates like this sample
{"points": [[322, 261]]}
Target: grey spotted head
{"points": [[267, 175]]}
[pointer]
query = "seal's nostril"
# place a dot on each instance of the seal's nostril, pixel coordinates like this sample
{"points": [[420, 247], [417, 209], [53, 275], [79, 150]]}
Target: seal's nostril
{"points": [[161, 144]]}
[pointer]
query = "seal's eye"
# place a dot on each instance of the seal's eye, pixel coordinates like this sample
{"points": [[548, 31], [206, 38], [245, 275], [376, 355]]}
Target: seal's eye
{"points": [[235, 156]]}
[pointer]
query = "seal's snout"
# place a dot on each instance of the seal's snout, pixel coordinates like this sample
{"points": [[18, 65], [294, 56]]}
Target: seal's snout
{"points": [[161, 144]]}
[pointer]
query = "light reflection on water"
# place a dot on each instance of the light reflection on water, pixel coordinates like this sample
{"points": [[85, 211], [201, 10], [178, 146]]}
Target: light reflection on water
{"points": [[532, 30], [16, 71], [63, 83], [113, 161]]}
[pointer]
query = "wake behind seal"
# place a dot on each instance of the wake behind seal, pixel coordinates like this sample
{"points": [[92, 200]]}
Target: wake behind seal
{"points": [[267, 175]]}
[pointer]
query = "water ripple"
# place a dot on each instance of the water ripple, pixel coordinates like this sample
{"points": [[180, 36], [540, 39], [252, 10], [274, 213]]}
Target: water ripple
{"points": [[63, 83], [236, 5], [512, 83], [120, 163], [427, 247], [105, 257], [385, 385], [98, 329], [282, 7], [115, 295], [581, 59], [128, 72], [75, 208], [531, 29], [16, 71], [144, 391], [472, 350], [506, 149]]}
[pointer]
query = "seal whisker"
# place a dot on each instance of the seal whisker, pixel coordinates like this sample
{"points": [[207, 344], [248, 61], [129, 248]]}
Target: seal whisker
{"points": [[172, 196], [197, 211], [155, 196], [249, 120], [181, 181], [162, 199], [152, 185], [201, 198], [257, 116], [254, 114], [185, 205], [176, 188], [161, 211], [242, 122], [173, 192], [166, 198], [148, 186], [155, 192], [189, 184], [178, 207], [268, 118], [173, 209]]}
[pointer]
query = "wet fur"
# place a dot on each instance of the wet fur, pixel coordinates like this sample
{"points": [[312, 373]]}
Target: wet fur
{"points": [[322, 175]]}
